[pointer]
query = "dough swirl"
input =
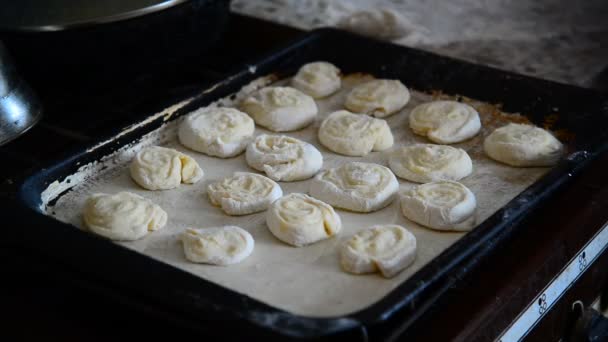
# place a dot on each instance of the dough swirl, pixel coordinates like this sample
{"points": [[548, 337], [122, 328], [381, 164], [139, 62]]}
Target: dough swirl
{"points": [[298, 219], [425, 163], [123, 216], [244, 193], [284, 158], [354, 135], [160, 168], [361, 187]]}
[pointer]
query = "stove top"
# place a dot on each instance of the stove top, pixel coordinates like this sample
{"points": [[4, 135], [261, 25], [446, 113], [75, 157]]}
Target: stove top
{"points": [[78, 113]]}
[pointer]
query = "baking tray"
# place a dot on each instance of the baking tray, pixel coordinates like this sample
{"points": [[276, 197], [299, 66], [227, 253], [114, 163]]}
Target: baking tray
{"points": [[577, 115]]}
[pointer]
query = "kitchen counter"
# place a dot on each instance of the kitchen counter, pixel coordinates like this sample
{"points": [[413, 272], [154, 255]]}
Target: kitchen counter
{"points": [[565, 41]]}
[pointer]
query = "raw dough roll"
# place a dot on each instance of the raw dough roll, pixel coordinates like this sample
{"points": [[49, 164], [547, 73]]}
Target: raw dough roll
{"points": [[387, 249], [379, 23], [379, 98], [361, 187], [423, 163], [160, 168], [284, 158], [298, 219], [445, 122], [218, 245], [244, 193], [523, 145], [219, 132], [354, 135], [317, 79], [443, 205], [123, 216], [280, 109]]}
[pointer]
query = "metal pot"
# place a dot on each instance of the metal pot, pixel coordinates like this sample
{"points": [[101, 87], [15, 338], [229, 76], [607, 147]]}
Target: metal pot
{"points": [[87, 42], [59, 15], [20, 109]]}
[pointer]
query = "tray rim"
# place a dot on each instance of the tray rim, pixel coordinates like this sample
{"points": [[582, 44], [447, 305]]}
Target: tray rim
{"points": [[303, 326]]}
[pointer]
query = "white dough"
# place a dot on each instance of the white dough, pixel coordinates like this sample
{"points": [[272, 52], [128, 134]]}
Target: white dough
{"points": [[354, 135], [123, 216], [385, 248], [216, 131], [445, 122], [298, 219], [383, 23], [317, 79], [161, 168], [280, 109], [443, 205], [523, 145], [423, 163], [218, 245], [379, 98], [244, 193], [284, 158], [361, 187]]}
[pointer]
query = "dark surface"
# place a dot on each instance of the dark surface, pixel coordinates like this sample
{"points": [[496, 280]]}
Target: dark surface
{"points": [[72, 307], [77, 113], [32, 14], [92, 58]]}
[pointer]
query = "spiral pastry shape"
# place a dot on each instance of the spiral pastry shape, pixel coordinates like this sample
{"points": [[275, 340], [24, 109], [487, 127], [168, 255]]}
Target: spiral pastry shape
{"points": [[387, 249], [219, 132], [298, 219], [523, 146], [222, 246], [354, 135], [244, 193], [360, 187], [283, 158], [280, 109], [160, 168], [423, 163], [443, 205], [445, 122], [317, 79], [123, 216], [379, 98]]}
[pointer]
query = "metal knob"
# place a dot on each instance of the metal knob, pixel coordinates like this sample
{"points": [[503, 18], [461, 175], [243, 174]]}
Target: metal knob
{"points": [[20, 108]]}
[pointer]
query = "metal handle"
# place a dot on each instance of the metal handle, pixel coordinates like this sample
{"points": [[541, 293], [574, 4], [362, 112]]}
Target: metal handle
{"points": [[588, 325]]}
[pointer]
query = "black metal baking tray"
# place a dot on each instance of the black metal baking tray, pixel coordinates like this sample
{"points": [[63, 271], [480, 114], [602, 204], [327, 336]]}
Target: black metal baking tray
{"points": [[581, 113]]}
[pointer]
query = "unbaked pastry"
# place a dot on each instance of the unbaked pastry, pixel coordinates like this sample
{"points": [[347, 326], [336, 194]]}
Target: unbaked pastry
{"points": [[354, 135], [217, 131], [283, 158], [317, 79], [361, 187], [387, 249], [379, 98], [445, 122], [423, 163], [218, 245], [161, 168], [244, 193], [298, 219], [443, 205], [523, 145], [382, 23], [280, 109], [123, 216]]}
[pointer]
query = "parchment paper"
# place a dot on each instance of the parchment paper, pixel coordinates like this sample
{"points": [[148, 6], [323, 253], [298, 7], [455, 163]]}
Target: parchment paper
{"points": [[307, 280]]}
